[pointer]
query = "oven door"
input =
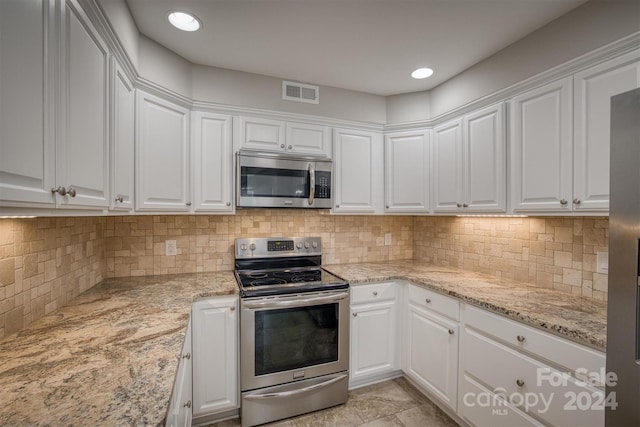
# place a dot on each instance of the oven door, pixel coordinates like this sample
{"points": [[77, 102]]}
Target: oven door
{"points": [[293, 337], [276, 181]]}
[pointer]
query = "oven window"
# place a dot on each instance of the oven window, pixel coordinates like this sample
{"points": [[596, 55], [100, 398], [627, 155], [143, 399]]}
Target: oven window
{"points": [[269, 182], [294, 338]]}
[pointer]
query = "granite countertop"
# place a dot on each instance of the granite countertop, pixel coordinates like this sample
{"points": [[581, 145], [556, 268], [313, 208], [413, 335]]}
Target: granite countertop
{"points": [[579, 319], [108, 358]]}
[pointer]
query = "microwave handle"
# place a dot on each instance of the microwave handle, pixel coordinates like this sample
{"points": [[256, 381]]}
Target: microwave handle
{"points": [[312, 183]]}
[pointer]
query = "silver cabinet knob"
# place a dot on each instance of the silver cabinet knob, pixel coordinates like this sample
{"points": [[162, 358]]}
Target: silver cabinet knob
{"points": [[289, 147], [428, 300], [337, 206], [519, 382], [576, 201], [464, 205], [355, 314], [187, 356], [71, 192], [60, 190], [232, 308], [188, 203], [281, 145], [563, 202], [375, 293], [451, 331], [228, 203], [520, 338], [459, 205], [119, 198], [187, 405], [387, 206]]}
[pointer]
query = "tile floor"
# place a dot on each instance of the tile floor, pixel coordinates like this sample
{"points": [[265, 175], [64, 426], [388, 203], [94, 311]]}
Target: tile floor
{"points": [[390, 403]]}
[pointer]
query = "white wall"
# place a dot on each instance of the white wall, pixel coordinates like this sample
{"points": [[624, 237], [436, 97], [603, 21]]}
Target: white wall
{"points": [[409, 107], [118, 14], [163, 67], [592, 25], [242, 89]]}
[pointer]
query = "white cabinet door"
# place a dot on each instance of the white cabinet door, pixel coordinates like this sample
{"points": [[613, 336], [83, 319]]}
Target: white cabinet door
{"points": [[541, 148], [122, 137], [358, 171], [485, 160], [215, 355], [593, 89], [262, 134], [180, 413], [212, 162], [308, 139], [407, 172], [373, 333], [432, 353], [27, 119], [83, 142], [162, 155], [448, 190]]}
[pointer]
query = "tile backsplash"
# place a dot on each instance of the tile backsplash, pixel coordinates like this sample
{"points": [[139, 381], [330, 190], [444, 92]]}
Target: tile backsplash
{"points": [[551, 252], [44, 262]]}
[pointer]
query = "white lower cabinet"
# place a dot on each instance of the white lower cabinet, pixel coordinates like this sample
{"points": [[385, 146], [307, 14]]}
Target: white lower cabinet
{"points": [[179, 413], [373, 333], [431, 358], [215, 355], [498, 376]]}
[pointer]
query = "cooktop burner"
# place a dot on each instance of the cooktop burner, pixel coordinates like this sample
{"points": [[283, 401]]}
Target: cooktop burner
{"points": [[282, 266]]}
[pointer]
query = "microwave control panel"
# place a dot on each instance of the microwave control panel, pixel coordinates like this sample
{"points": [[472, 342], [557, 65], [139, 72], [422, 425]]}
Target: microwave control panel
{"points": [[323, 185]]}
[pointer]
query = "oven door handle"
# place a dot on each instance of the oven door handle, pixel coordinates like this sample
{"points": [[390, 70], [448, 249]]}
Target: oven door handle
{"points": [[275, 303], [295, 392]]}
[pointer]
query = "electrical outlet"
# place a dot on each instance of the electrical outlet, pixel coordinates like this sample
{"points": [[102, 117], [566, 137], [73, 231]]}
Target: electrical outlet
{"points": [[171, 248], [602, 262], [387, 239]]}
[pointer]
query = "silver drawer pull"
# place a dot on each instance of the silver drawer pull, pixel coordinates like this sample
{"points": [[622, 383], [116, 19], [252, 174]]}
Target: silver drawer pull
{"points": [[451, 331], [232, 308], [519, 382], [187, 356], [520, 338], [187, 405], [355, 314], [375, 293], [428, 300]]}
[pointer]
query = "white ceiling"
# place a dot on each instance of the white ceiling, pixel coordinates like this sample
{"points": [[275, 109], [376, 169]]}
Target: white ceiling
{"points": [[365, 45]]}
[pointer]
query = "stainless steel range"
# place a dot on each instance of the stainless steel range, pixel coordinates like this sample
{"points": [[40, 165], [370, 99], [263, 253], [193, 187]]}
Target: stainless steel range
{"points": [[294, 329]]}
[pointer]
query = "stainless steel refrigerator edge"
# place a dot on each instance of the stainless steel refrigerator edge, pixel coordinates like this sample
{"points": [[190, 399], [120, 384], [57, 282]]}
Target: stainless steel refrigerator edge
{"points": [[623, 322]]}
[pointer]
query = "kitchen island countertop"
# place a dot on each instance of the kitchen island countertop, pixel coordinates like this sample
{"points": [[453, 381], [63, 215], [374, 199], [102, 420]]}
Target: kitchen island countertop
{"points": [[108, 358], [579, 319]]}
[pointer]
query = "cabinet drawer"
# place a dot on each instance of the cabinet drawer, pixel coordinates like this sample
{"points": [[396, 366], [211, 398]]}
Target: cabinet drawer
{"points": [[532, 386], [480, 407], [373, 292], [441, 304], [557, 350]]}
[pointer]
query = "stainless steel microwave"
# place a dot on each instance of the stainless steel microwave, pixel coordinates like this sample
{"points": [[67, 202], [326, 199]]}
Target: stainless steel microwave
{"points": [[282, 181]]}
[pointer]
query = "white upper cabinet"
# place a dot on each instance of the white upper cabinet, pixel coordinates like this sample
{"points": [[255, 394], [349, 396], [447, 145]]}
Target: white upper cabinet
{"points": [[162, 155], [448, 191], [358, 171], [284, 137], [593, 89], [407, 172], [541, 148], [27, 90], [83, 141], [308, 139], [212, 162], [469, 172], [122, 138], [485, 160]]}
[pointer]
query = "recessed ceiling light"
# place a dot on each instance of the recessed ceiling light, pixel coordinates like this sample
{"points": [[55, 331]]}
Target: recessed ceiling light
{"points": [[184, 21], [422, 73]]}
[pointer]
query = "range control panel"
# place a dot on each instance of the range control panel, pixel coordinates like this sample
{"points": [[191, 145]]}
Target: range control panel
{"points": [[277, 247]]}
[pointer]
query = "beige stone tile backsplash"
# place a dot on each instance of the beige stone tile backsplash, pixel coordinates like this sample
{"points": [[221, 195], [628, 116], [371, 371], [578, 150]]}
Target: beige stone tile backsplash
{"points": [[135, 245], [551, 252], [44, 262]]}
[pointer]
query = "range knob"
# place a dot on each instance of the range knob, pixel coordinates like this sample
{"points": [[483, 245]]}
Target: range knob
{"points": [[314, 244], [306, 245], [299, 245], [252, 246], [243, 247]]}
